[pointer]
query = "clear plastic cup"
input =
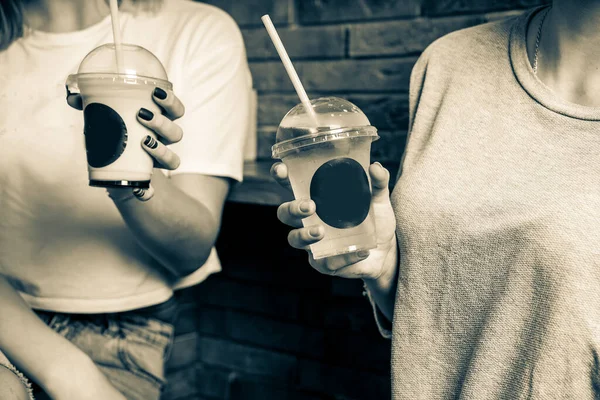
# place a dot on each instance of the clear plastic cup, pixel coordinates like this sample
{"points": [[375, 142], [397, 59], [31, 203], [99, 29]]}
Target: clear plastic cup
{"points": [[111, 101], [329, 164]]}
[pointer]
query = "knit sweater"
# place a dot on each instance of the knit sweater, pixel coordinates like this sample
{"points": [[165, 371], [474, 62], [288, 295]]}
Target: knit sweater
{"points": [[498, 213]]}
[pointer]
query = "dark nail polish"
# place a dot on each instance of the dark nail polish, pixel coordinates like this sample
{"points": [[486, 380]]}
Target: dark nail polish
{"points": [[146, 115], [159, 93], [150, 142]]}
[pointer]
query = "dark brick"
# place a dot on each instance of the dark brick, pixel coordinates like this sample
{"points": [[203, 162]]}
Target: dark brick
{"points": [[389, 147], [282, 303], [445, 7], [300, 42], [339, 381], [311, 11], [185, 321], [387, 112], [403, 37], [304, 277], [347, 287], [246, 389], [213, 382], [357, 350], [266, 333], [265, 139], [248, 12], [382, 75], [247, 359], [351, 314], [180, 384], [246, 297], [183, 352]]}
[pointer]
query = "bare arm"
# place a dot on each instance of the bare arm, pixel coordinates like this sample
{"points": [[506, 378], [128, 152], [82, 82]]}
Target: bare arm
{"points": [[180, 223], [53, 362]]}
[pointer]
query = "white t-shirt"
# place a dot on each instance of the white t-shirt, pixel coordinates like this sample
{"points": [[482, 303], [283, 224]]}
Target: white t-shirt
{"points": [[63, 244]]}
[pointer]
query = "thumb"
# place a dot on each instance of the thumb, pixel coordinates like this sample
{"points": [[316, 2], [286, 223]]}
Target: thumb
{"points": [[380, 179], [144, 194]]}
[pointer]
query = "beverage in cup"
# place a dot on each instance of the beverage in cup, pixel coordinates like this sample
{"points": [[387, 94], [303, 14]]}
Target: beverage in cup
{"points": [[112, 95], [328, 163]]}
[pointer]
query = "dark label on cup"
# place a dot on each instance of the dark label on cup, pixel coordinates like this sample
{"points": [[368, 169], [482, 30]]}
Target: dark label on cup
{"points": [[340, 189], [105, 135]]}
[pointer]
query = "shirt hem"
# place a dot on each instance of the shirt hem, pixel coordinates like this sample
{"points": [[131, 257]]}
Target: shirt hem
{"points": [[94, 306]]}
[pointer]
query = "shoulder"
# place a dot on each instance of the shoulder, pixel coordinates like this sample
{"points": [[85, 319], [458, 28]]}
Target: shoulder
{"points": [[469, 47], [202, 20]]}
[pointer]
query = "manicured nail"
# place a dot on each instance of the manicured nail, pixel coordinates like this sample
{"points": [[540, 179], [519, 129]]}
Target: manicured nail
{"points": [[314, 231], [363, 254], [378, 163], [305, 206], [159, 93], [146, 115], [150, 142]]}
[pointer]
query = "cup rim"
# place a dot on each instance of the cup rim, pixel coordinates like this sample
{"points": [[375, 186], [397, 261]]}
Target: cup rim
{"points": [[73, 80], [321, 135]]}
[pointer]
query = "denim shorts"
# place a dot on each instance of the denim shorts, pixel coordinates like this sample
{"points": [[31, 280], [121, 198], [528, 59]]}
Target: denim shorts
{"points": [[130, 348]]}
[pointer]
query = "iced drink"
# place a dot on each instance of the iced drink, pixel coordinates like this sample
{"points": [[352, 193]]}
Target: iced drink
{"points": [[111, 101], [329, 164]]}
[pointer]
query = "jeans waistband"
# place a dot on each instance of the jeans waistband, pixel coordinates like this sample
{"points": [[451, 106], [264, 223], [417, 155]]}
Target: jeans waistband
{"points": [[165, 312]]}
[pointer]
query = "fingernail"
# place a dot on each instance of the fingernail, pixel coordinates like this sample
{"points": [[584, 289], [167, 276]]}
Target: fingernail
{"points": [[305, 206], [314, 231], [378, 163], [146, 115], [363, 254], [160, 94], [150, 142]]}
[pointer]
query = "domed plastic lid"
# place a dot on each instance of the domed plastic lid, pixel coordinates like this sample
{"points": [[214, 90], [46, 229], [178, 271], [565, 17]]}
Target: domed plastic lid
{"points": [[138, 66], [337, 119]]}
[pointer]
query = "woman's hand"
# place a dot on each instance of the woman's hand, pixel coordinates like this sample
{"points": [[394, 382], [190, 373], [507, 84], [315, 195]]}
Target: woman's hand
{"points": [[167, 132], [370, 265]]}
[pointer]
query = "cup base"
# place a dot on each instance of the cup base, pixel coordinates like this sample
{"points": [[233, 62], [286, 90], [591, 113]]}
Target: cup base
{"points": [[339, 251], [120, 184]]}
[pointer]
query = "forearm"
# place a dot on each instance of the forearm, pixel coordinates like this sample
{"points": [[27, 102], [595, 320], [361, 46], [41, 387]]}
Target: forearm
{"points": [[50, 360], [176, 229], [383, 289]]}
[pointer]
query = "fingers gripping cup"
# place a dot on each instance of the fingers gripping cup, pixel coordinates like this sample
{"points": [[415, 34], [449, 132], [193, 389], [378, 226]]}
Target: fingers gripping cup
{"points": [[112, 96], [329, 164]]}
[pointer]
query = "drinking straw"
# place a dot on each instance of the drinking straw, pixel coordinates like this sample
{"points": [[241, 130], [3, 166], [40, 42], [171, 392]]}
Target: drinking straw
{"points": [[289, 67], [116, 26]]}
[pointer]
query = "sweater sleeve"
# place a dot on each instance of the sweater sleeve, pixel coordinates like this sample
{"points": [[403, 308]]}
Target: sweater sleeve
{"points": [[417, 79]]}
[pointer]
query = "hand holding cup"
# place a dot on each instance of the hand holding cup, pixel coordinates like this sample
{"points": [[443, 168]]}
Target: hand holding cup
{"points": [[369, 264]]}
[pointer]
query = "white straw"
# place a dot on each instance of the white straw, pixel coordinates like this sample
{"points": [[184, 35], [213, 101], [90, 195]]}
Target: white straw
{"points": [[289, 67], [116, 26]]}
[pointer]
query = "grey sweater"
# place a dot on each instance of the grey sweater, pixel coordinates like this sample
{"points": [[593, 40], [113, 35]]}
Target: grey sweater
{"points": [[498, 212]]}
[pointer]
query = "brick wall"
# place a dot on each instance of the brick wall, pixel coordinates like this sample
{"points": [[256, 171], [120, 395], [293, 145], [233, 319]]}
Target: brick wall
{"points": [[268, 326]]}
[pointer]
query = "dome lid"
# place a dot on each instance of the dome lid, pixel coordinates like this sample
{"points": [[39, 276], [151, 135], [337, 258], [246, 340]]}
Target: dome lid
{"points": [[337, 118]]}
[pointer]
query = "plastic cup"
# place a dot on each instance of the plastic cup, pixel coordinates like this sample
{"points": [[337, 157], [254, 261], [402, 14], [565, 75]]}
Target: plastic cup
{"points": [[111, 101], [329, 164]]}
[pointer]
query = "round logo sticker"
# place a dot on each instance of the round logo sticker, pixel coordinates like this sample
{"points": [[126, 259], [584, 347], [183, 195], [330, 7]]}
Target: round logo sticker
{"points": [[340, 189], [105, 135]]}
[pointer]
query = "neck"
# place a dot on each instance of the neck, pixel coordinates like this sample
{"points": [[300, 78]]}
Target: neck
{"points": [[569, 55], [64, 15]]}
